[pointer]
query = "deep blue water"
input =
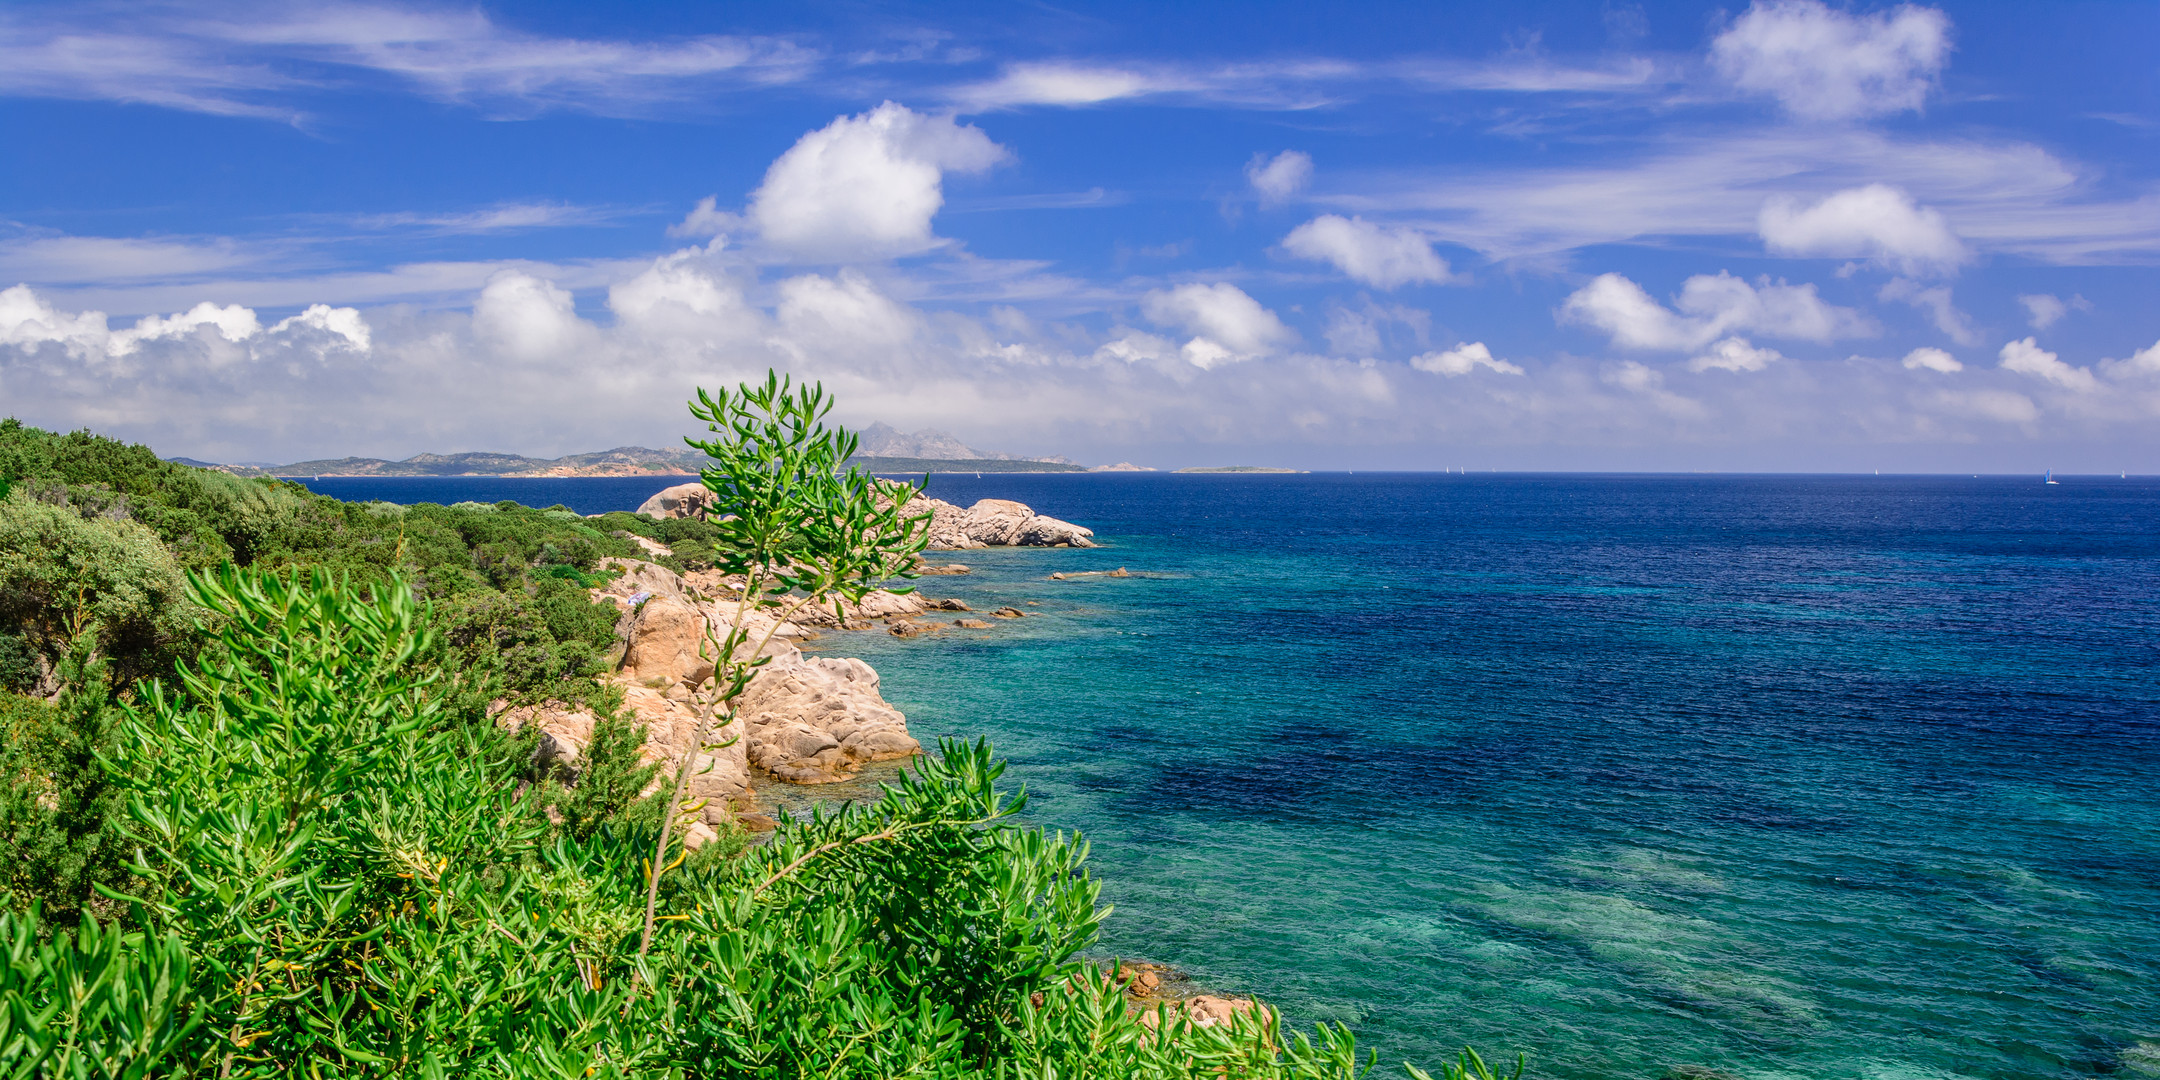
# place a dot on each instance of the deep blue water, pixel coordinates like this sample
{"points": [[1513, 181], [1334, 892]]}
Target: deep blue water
{"points": [[1787, 777]]}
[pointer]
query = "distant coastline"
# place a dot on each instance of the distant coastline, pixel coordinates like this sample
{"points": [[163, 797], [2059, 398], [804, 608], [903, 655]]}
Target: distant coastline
{"points": [[621, 461]]}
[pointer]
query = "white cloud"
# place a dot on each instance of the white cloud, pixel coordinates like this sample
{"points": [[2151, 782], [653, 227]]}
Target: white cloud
{"points": [[1825, 64], [1876, 222], [28, 321], [2143, 362], [1227, 326], [865, 186], [2006, 197], [1064, 84], [1134, 347], [1937, 303], [1928, 358], [2046, 309], [252, 65], [501, 217], [1633, 375], [1734, 354], [1280, 177], [232, 322], [1710, 307], [1461, 360], [1377, 255], [677, 298], [529, 319], [843, 317], [2026, 357], [50, 259]]}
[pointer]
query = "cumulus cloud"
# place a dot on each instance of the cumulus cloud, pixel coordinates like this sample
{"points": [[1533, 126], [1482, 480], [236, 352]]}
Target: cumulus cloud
{"points": [[1709, 307], [1278, 178], [2026, 357], [2143, 362], [2046, 309], [1825, 64], [529, 318], [676, 296], [862, 187], [1227, 326], [1877, 222], [1936, 302], [1461, 360], [1928, 358], [28, 321], [1734, 354], [1377, 255]]}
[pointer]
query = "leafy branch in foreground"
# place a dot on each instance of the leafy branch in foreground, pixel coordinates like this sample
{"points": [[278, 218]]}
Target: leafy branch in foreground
{"points": [[797, 526]]}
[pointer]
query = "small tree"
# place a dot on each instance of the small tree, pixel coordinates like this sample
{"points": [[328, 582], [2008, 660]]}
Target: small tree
{"points": [[799, 526]]}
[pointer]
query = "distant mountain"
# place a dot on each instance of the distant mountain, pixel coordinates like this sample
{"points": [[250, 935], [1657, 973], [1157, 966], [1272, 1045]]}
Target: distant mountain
{"points": [[882, 440], [621, 461]]}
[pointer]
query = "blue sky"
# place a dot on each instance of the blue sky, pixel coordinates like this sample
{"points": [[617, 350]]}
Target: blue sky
{"points": [[1781, 236]]}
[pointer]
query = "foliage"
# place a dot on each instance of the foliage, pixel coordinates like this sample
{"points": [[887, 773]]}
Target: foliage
{"points": [[84, 588], [797, 528], [57, 807]]}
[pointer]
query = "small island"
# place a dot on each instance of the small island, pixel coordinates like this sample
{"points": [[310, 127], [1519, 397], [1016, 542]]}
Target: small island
{"points": [[1238, 469]]}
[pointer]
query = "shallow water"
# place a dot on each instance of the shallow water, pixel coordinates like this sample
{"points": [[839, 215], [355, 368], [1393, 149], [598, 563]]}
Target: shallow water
{"points": [[1787, 777]]}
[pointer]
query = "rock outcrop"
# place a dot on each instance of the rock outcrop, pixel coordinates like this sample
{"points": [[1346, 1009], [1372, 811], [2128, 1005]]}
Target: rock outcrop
{"points": [[996, 523], [809, 721], [680, 501]]}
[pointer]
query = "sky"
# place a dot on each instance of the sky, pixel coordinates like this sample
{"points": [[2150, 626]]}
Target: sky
{"points": [[1782, 236]]}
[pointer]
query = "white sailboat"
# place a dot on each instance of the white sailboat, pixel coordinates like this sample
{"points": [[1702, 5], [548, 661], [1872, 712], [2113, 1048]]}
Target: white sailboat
{"points": [[2049, 477]]}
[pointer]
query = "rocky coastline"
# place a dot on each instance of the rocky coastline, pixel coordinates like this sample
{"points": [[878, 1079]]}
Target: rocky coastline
{"points": [[804, 721]]}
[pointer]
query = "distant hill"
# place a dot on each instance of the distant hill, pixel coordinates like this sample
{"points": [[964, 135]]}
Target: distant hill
{"points": [[882, 440], [883, 449], [916, 465], [621, 461]]}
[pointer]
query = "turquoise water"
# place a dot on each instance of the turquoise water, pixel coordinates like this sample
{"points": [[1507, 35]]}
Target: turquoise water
{"points": [[1785, 777]]}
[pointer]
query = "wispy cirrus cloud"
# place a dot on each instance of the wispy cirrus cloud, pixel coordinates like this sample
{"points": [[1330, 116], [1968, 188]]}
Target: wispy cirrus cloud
{"points": [[2006, 197], [1297, 83], [499, 218], [253, 63]]}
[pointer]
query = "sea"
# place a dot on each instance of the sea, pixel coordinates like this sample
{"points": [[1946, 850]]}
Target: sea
{"points": [[1638, 776]]}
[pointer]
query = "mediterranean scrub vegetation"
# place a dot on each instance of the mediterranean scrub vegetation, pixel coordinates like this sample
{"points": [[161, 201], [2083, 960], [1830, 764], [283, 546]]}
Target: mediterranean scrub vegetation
{"points": [[259, 821]]}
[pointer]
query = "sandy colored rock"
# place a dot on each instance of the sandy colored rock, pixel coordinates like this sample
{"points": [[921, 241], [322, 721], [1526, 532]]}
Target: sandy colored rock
{"points": [[995, 523], [971, 624], [947, 604], [680, 501], [948, 568], [876, 604], [1010, 613], [817, 721], [803, 720], [565, 732]]}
